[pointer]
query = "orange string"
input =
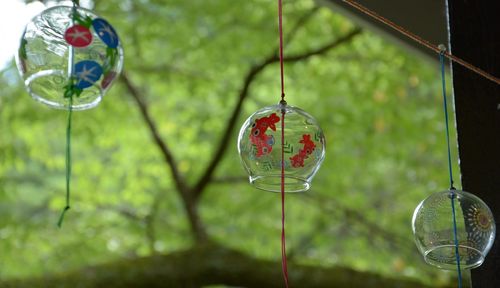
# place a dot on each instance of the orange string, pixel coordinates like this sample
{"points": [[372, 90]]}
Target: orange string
{"points": [[421, 40]]}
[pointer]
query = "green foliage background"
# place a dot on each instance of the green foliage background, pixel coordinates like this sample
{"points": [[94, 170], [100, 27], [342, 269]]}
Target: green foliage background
{"points": [[379, 106]]}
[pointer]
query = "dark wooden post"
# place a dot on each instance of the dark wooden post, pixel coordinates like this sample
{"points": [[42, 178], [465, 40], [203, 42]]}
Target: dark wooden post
{"points": [[475, 36]]}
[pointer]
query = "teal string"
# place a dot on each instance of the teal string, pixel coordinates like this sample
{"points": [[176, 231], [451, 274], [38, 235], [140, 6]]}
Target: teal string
{"points": [[455, 236], [68, 162], [68, 127], [450, 169], [445, 105]]}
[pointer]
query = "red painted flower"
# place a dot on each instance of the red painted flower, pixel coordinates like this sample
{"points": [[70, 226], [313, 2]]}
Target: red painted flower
{"points": [[108, 78], [78, 36]]}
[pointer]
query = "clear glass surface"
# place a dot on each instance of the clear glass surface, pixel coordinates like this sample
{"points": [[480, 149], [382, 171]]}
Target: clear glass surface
{"points": [[259, 147], [432, 226], [54, 46]]}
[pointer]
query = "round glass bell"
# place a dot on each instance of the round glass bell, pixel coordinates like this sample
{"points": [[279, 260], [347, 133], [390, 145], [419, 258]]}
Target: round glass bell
{"points": [[69, 51], [259, 147], [432, 226]]}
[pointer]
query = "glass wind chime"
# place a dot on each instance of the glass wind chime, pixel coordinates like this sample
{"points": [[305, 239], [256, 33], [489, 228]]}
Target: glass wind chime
{"points": [[68, 58], [453, 229], [281, 148]]}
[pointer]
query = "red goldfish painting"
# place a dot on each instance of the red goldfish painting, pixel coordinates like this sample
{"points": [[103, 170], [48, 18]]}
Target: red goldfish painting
{"points": [[298, 159], [258, 136]]}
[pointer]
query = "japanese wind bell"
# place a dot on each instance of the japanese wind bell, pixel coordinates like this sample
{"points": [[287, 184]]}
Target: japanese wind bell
{"points": [[260, 148], [68, 58], [453, 229], [69, 54]]}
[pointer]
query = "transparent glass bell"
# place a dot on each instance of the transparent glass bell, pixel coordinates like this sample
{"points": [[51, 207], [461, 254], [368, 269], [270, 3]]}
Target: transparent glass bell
{"points": [[259, 147], [433, 229], [63, 41]]}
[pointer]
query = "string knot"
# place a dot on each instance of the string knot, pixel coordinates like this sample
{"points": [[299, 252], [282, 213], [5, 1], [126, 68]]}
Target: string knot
{"points": [[452, 194], [442, 49], [61, 218]]}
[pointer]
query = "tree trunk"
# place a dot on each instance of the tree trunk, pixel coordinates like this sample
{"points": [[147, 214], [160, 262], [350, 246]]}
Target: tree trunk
{"points": [[212, 264]]}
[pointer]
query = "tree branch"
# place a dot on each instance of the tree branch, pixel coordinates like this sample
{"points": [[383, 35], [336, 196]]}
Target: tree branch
{"points": [[191, 195], [323, 49], [150, 219], [172, 69], [184, 191], [123, 211], [162, 145], [299, 24], [230, 180], [374, 229], [244, 91]]}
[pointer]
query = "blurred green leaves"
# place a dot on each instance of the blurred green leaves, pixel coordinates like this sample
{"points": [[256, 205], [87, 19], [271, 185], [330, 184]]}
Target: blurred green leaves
{"points": [[378, 106]]}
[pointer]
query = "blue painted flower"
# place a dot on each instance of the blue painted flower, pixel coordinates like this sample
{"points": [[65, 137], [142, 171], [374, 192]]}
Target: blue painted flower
{"points": [[106, 32], [87, 72]]}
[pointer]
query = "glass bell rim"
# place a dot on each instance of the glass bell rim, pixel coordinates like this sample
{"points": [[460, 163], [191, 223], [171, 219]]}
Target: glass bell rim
{"points": [[55, 104], [452, 265], [258, 182]]}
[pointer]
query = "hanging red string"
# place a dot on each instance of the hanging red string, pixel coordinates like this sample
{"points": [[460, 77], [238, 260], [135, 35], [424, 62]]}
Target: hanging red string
{"points": [[283, 104], [280, 19], [283, 239]]}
